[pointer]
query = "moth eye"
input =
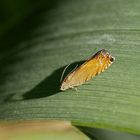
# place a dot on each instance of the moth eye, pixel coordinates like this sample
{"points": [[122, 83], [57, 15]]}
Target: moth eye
{"points": [[111, 59]]}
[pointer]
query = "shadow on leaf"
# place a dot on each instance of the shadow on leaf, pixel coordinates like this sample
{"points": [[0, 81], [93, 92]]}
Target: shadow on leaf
{"points": [[50, 85]]}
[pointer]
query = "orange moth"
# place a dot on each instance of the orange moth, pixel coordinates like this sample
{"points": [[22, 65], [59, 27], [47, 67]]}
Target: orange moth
{"points": [[89, 69]]}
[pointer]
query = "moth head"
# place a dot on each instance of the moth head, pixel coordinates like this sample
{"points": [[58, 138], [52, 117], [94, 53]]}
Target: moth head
{"points": [[103, 54]]}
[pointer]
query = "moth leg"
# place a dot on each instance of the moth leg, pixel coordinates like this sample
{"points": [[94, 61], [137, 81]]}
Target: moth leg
{"points": [[74, 88]]}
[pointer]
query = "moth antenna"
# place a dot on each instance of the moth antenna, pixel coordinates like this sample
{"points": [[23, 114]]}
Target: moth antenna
{"points": [[65, 70]]}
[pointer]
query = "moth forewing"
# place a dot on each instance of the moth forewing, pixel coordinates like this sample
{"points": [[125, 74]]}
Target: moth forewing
{"points": [[90, 68]]}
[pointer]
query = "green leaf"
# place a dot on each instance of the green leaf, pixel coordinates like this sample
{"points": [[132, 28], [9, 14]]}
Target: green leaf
{"points": [[35, 53]]}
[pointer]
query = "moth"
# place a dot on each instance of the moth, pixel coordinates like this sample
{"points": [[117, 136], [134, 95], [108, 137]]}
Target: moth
{"points": [[89, 69]]}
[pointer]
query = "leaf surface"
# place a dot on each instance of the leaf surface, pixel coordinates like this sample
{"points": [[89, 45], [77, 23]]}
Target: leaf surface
{"points": [[34, 55]]}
